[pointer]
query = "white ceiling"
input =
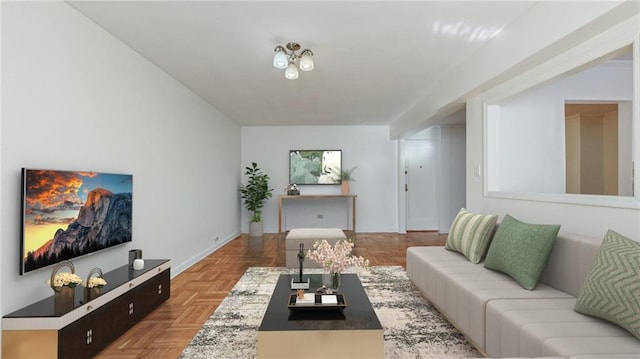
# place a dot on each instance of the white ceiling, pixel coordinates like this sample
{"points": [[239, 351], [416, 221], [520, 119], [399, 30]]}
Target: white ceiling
{"points": [[374, 60]]}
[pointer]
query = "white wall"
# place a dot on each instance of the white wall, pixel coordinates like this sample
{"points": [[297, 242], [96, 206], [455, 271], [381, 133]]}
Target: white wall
{"points": [[589, 216], [367, 147], [75, 98], [529, 139], [452, 189]]}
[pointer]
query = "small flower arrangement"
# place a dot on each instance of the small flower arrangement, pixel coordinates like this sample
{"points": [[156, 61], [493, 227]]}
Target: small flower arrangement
{"points": [[65, 279], [95, 282], [337, 258]]}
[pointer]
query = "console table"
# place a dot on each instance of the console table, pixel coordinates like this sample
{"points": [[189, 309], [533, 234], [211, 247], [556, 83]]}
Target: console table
{"points": [[35, 331], [349, 197]]}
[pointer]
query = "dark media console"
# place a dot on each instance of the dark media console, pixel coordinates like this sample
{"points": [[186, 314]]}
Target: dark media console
{"points": [[36, 331]]}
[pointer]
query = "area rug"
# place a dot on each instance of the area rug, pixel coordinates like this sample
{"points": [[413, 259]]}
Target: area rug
{"points": [[413, 328]]}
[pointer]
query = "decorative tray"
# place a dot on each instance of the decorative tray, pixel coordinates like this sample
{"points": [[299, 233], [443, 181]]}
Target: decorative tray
{"points": [[316, 301]]}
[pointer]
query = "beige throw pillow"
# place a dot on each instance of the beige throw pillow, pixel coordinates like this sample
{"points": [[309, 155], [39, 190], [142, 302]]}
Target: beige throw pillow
{"points": [[470, 234]]}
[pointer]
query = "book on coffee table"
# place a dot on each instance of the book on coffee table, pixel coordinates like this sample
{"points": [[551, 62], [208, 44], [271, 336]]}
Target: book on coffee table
{"points": [[329, 299], [309, 298]]}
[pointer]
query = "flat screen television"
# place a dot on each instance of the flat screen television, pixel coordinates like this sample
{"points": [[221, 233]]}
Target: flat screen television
{"points": [[67, 214], [317, 167]]}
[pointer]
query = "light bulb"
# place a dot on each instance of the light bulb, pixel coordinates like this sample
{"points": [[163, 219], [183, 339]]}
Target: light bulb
{"points": [[306, 62], [280, 60], [291, 72]]}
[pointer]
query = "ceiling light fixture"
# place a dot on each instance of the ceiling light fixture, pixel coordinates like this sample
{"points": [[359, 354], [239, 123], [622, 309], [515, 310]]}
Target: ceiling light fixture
{"points": [[289, 60]]}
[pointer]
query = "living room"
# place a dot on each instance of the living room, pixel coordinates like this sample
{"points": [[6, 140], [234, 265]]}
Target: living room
{"points": [[75, 97]]}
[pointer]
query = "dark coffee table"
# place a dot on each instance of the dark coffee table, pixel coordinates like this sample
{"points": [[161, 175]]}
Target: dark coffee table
{"points": [[354, 332]]}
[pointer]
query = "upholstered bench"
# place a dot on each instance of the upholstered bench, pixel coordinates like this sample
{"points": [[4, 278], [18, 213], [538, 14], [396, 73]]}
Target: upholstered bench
{"points": [[308, 236]]}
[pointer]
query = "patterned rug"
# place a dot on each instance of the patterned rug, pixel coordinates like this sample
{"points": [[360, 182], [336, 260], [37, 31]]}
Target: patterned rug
{"points": [[413, 328]]}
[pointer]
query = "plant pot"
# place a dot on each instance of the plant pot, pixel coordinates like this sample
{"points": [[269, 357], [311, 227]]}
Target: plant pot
{"points": [[64, 299], [92, 293], [345, 187], [255, 229]]}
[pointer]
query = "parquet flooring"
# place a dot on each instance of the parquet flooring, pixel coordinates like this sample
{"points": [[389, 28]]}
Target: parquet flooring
{"points": [[197, 292]]}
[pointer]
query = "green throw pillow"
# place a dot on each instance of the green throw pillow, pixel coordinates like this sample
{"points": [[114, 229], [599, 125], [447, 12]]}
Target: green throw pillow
{"points": [[521, 250], [611, 291], [470, 234]]}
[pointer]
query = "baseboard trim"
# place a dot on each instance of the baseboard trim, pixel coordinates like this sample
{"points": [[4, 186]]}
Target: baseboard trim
{"points": [[200, 256]]}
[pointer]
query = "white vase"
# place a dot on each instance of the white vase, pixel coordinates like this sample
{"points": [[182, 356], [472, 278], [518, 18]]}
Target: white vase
{"points": [[255, 229], [138, 264]]}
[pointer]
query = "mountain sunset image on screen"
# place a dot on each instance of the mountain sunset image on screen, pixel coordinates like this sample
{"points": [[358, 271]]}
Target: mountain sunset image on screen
{"points": [[67, 214]]}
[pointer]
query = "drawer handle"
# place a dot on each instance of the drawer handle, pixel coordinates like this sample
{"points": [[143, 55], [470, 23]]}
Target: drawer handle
{"points": [[89, 307], [130, 285], [159, 288]]}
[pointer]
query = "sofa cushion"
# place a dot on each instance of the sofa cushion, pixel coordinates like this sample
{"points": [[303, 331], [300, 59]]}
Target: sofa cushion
{"points": [[470, 234], [500, 309], [521, 250], [611, 346], [526, 331], [534, 336], [570, 262], [612, 287]]}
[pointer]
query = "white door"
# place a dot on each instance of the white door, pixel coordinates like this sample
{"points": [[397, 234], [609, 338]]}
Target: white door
{"points": [[420, 185]]}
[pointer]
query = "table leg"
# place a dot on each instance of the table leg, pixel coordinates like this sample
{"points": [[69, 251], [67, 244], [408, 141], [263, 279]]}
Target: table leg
{"points": [[354, 214], [280, 215]]}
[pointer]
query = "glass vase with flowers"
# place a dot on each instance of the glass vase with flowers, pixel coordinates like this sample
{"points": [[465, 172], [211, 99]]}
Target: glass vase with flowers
{"points": [[335, 260]]}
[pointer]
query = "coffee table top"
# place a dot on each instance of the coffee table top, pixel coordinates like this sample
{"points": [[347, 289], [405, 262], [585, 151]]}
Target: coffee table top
{"points": [[358, 315]]}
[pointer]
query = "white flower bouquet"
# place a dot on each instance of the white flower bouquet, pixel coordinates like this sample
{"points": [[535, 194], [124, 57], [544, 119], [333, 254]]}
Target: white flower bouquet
{"points": [[65, 279], [337, 258], [95, 282]]}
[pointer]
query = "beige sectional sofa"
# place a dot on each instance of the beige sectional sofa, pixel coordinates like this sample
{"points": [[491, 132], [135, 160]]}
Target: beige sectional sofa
{"points": [[504, 320]]}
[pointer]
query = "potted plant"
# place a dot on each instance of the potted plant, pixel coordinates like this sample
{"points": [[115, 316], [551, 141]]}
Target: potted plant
{"points": [[254, 194], [346, 177]]}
